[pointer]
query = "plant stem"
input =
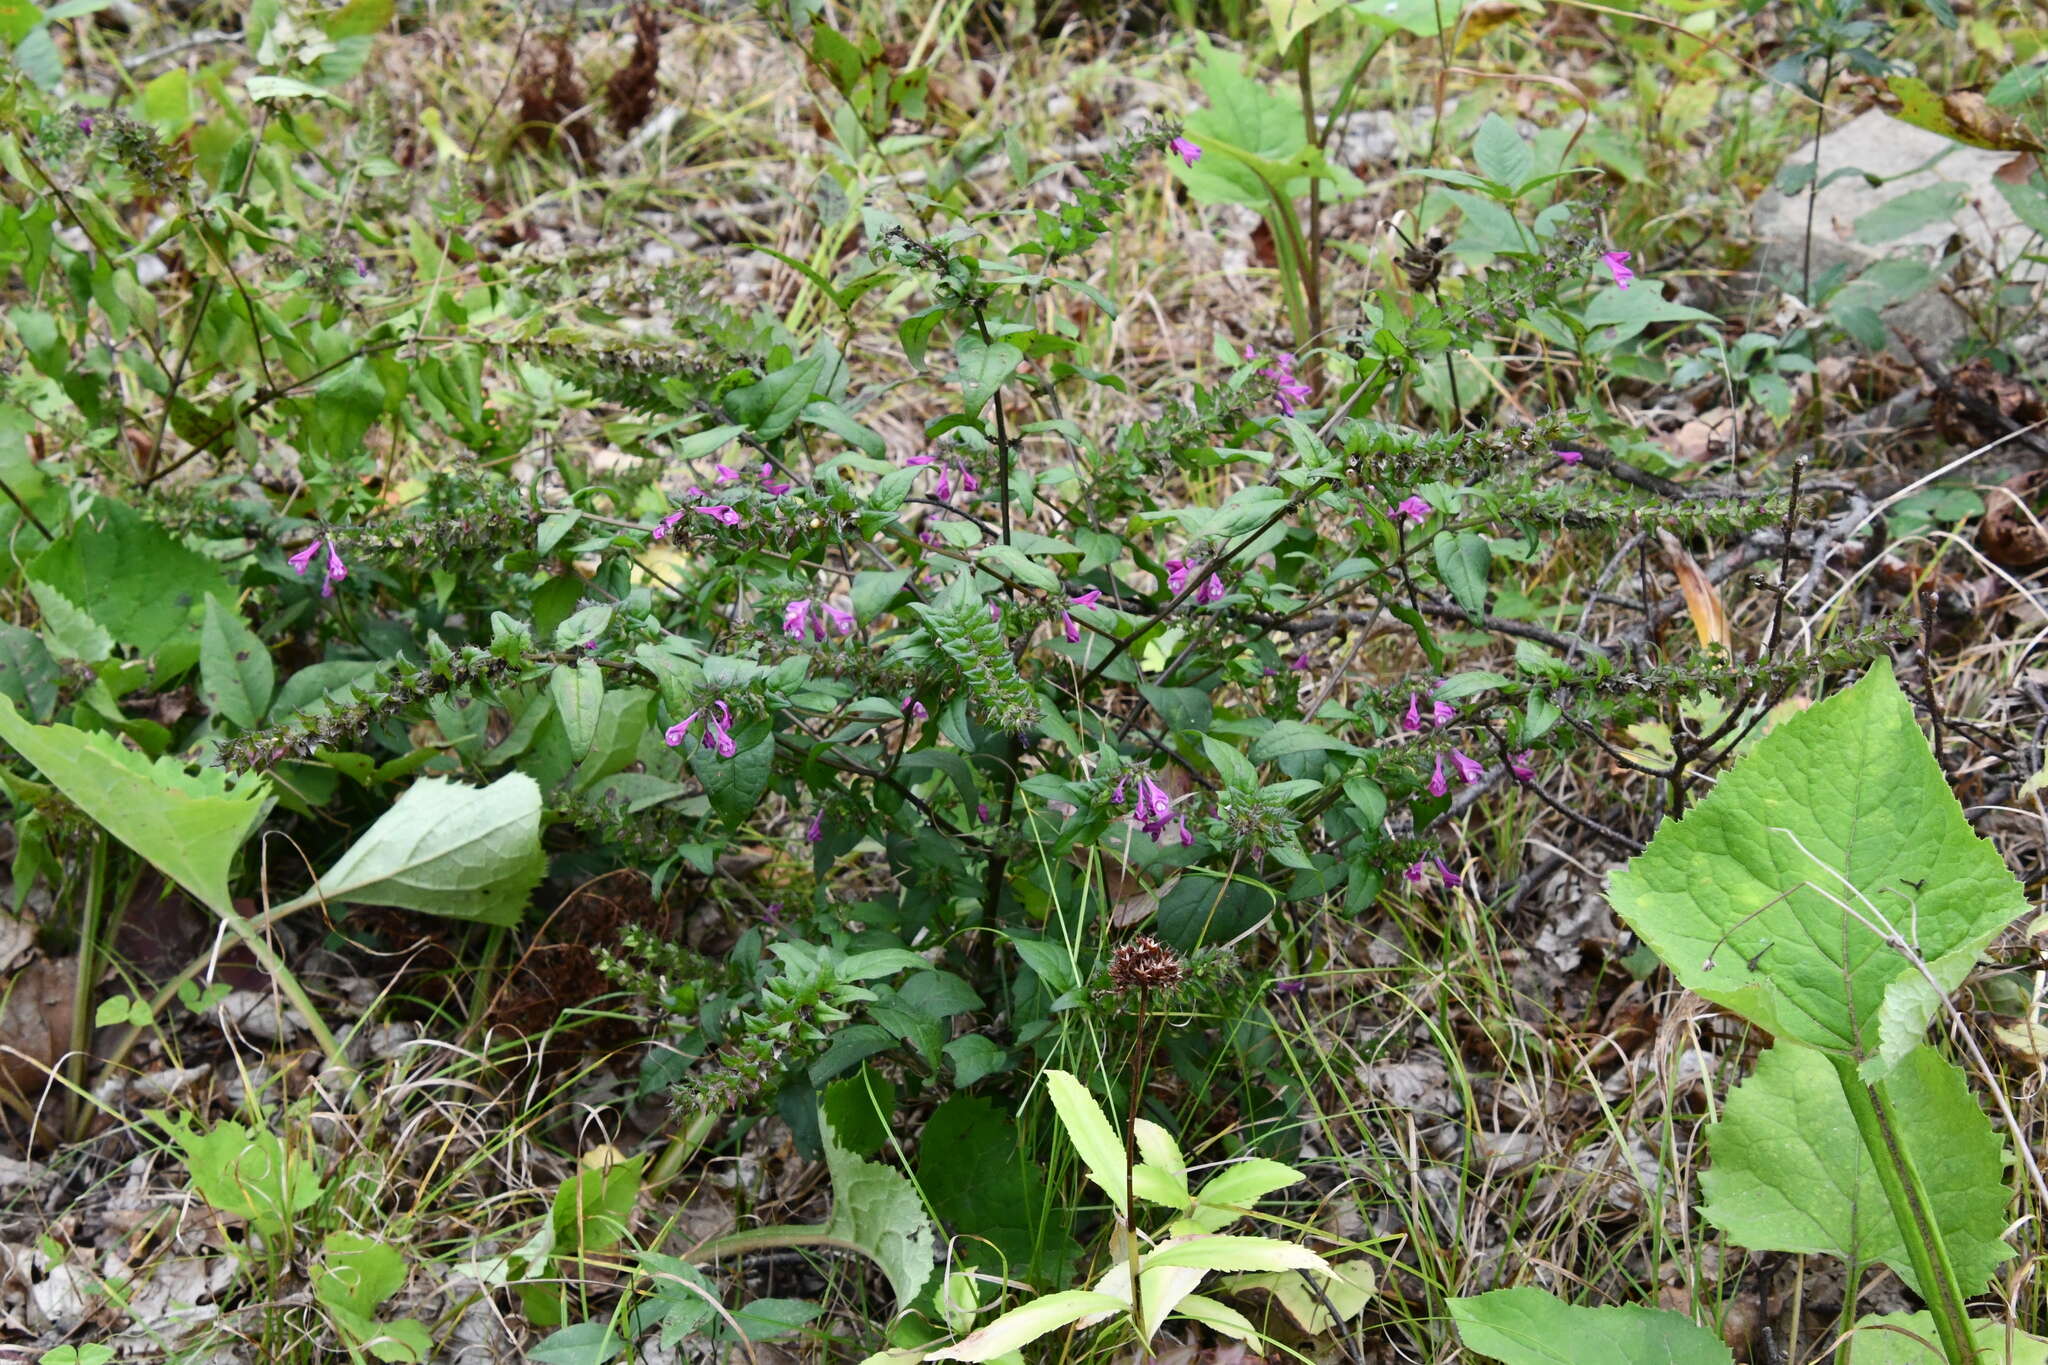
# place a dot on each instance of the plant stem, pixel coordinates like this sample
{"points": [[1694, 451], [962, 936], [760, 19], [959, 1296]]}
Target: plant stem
{"points": [[88, 974], [1130, 1170], [1907, 1195], [1820, 114]]}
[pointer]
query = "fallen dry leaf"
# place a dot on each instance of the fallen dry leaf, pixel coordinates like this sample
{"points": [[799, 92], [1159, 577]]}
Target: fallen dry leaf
{"points": [[1702, 600], [35, 1027]]}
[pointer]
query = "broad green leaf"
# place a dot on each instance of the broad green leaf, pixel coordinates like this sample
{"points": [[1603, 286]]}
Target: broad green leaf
{"points": [[1616, 315], [1203, 907], [1101, 1152], [769, 408], [1532, 1327], [1259, 125], [69, 628], [581, 1343], [1292, 737], [445, 848], [246, 1172], [1791, 1174], [1463, 560], [1501, 154], [1310, 1303], [978, 1175], [357, 1272], [188, 826], [579, 701], [1844, 799], [984, 368], [235, 672], [143, 586], [1882, 1339], [1021, 1326], [1290, 17], [877, 1209], [1423, 18], [28, 675], [1909, 212], [594, 1208], [735, 784]]}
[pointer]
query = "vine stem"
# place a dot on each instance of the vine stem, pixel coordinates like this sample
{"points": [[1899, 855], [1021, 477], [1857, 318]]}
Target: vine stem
{"points": [[1130, 1171], [1907, 1194]]}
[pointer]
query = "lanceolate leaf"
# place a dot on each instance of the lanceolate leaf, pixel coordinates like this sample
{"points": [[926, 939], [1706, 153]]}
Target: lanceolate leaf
{"points": [[1791, 1174], [1775, 896], [1022, 1326], [1531, 1327], [1088, 1129], [187, 825], [472, 853]]}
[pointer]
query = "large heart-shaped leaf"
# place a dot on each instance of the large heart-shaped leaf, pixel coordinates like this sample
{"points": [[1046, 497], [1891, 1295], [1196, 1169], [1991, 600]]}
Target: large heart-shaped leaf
{"points": [[1530, 1327], [1781, 894]]}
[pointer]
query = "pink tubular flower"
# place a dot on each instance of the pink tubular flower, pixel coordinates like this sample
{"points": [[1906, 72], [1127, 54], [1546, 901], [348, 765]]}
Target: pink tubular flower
{"points": [[968, 483], [773, 490], [303, 558], [842, 620], [1413, 511], [1299, 663], [1439, 785], [1211, 591], [796, 618], [716, 734], [915, 709], [1617, 261], [1442, 713], [995, 613], [981, 811], [718, 511], [1072, 628], [1411, 721], [666, 525], [1469, 770], [920, 459], [1570, 456], [944, 488], [816, 830], [1443, 870], [724, 473], [1523, 765], [1085, 601], [1177, 571], [336, 570], [1290, 391], [1415, 872], [1187, 151]]}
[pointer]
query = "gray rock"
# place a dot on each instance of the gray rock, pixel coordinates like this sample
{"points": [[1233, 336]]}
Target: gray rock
{"points": [[1906, 158]]}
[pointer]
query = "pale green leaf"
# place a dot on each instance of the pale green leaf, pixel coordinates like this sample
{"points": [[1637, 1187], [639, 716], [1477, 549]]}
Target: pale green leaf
{"points": [[68, 628], [1463, 560], [1290, 17], [877, 1208], [357, 1272], [1021, 1326], [1102, 1154], [984, 368], [235, 672], [594, 1208], [1844, 799], [1790, 1172], [188, 826], [468, 852], [1531, 1327], [1883, 1339], [1501, 154], [1219, 1251], [579, 700], [138, 582], [1352, 1286], [1240, 1185]]}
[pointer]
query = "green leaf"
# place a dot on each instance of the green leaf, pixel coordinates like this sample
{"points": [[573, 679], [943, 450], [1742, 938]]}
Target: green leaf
{"points": [[1625, 312], [1220, 1251], [1100, 1150], [69, 628], [1501, 154], [1246, 116], [1290, 17], [346, 402], [357, 1272], [142, 585], [28, 675], [188, 826], [1203, 907], [1311, 1303], [1790, 1172], [447, 849], [1241, 1184], [977, 1174], [235, 672], [594, 1207], [1423, 18], [1531, 1327], [877, 1209], [1881, 1339], [1463, 560], [984, 368], [246, 1172], [769, 408], [582, 1343], [1021, 1326], [1292, 737], [1233, 767], [579, 700], [1911, 211], [736, 784], [1838, 824], [263, 88]]}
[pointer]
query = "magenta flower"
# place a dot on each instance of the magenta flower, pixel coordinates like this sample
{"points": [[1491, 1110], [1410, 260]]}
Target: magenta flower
{"points": [[1442, 713], [1617, 261], [720, 512], [1415, 872], [920, 459], [968, 483], [1469, 771], [1522, 765], [667, 524], [981, 811], [724, 473], [1300, 662], [1439, 785], [335, 571], [1117, 797], [944, 489], [1443, 870], [1412, 720], [1211, 591], [716, 734], [1290, 391], [796, 619], [1177, 571], [304, 558], [1072, 628], [1086, 601], [842, 620], [1153, 811], [915, 709], [773, 490], [1187, 151], [85, 126], [816, 830], [1570, 456], [995, 613], [1414, 510]]}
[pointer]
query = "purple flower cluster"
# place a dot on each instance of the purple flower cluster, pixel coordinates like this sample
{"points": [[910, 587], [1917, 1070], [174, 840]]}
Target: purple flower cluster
{"points": [[336, 570], [800, 619], [948, 472], [1079, 602], [1290, 391], [1412, 511], [1416, 871], [1177, 571], [717, 729], [1617, 261], [1153, 811]]}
